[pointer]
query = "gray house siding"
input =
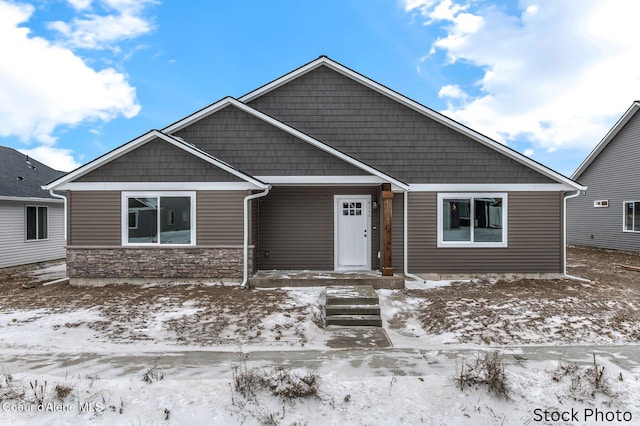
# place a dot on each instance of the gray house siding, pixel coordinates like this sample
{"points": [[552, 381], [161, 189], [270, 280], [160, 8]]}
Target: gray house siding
{"points": [[386, 134], [15, 249], [158, 161], [297, 227], [612, 176], [220, 218], [534, 238], [259, 148], [94, 218]]}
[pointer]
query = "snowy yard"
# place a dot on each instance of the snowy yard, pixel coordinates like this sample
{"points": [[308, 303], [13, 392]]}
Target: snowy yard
{"points": [[66, 348]]}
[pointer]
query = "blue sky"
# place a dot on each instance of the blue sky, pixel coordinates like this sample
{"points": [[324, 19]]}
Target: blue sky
{"points": [[81, 77]]}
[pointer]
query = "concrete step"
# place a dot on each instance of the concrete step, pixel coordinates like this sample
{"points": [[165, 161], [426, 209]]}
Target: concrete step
{"points": [[351, 295], [352, 306], [353, 309], [355, 320], [274, 279]]}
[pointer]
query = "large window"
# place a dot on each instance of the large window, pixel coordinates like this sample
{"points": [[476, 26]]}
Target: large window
{"points": [[631, 216], [158, 218], [37, 221], [472, 220]]}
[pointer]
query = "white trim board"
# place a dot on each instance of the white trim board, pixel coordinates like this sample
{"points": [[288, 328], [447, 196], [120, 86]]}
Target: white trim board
{"points": [[157, 186], [323, 60], [490, 187], [32, 199]]}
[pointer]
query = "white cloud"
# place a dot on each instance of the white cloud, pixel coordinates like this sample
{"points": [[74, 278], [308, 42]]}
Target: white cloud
{"points": [[528, 152], [44, 86], [125, 20], [56, 158], [558, 73]]}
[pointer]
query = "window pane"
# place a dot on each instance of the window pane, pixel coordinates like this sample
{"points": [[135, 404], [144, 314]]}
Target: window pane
{"points": [[628, 216], [31, 223], [456, 220], [488, 220], [174, 228], [146, 228], [43, 231], [636, 216]]}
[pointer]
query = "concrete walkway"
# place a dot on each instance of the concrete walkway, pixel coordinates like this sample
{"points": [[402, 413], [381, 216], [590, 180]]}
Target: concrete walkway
{"points": [[349, 363]]}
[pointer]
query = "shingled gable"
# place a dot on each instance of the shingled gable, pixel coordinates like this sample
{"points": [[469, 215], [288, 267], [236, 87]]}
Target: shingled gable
{"points": [[183, 126], [83, 175], [498, 157]]}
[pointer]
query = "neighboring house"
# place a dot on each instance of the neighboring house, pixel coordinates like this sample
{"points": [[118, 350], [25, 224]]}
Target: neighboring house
{"points": [[321, 169], [609, 215], [31, 219]]}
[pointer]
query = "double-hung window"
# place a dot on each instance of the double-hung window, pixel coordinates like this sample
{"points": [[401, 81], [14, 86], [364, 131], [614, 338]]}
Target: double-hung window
{"points": [[37, 223], [158, 218], [631, 216], [472, 220]]}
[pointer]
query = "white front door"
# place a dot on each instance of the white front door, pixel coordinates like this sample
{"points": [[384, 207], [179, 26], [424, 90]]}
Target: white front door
{"points": [[352, 232]]}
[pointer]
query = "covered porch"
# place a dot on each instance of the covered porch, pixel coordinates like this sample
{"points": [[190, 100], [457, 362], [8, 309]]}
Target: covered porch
{"points": [[319, 235]]}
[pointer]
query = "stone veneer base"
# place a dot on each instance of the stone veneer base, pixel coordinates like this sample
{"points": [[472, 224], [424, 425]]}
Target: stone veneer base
{"points": [[164, 263]]}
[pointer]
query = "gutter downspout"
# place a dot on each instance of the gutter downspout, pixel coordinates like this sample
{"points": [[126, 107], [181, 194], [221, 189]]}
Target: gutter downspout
{"points": [[245, 244], [564, 241], [63, 197], [406, 240]]}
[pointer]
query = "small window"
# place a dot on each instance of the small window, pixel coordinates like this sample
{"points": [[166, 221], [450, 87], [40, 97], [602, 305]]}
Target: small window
{"points": [[601, 203], [37, 223], [472, 220], [631, 216]]}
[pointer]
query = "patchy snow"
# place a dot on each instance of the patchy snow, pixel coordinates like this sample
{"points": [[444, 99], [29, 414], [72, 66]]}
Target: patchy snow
{"points": [[51, 272]]}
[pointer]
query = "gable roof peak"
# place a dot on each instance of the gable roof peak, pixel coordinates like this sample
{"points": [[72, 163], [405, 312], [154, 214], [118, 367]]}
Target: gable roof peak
{"points": [[611, 134]]}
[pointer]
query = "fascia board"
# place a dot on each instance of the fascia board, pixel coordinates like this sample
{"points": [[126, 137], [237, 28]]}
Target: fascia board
{"points": [[497, 146], [631, 111]]}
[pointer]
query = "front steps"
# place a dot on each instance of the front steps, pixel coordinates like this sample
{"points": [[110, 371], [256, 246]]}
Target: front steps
{"points": [[352, 306]]}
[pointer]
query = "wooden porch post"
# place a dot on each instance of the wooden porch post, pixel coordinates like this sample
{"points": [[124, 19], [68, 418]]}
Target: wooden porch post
{"points": [[387, 201]]}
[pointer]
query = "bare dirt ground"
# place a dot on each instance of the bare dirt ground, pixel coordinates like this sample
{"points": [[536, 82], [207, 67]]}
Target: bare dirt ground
{"points": [[530, 311], [605, 311]]}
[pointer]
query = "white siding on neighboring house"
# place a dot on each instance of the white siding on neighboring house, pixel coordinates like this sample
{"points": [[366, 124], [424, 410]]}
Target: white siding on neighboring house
{"points": [[14, 249]]}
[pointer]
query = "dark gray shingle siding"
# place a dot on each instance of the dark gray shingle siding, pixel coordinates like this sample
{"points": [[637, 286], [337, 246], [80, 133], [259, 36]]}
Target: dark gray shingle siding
{"points": [[612, 176], [158, 161], [13, 164], [386, 134], [259, 148]]}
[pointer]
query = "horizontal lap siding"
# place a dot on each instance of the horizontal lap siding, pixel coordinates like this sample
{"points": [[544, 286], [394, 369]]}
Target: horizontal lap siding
{"points": [[15, 249], [613, 176], [534, 234], [94, 218], [296, 227], [220, 216]]}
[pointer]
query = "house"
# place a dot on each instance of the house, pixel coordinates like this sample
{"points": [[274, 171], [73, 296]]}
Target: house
{"points": [[31, 219], [321, 169], [608, 216]]}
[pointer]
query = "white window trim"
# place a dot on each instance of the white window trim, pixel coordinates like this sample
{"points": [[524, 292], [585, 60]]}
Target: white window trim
{"points": [[624, 217], [473, 244], [26, 224], [151, 194]]}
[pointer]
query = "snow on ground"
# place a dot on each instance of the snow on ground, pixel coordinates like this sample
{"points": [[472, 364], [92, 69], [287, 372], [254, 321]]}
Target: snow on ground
{"points": [[64, 349]]}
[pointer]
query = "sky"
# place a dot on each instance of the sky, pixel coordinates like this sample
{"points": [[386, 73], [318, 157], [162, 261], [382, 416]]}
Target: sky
{"points": [[548, 78]]}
